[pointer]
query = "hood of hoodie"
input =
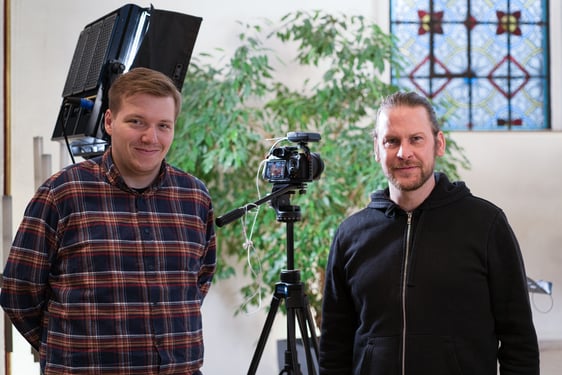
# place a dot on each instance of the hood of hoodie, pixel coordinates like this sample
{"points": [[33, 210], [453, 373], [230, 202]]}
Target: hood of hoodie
{"points": [[445, 192]]}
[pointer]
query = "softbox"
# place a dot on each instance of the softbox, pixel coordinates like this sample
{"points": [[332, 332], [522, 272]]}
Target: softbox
{"points": [[126, 38]]}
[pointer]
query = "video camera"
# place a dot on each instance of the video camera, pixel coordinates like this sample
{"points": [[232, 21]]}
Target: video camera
{"points": [[288, 165]]}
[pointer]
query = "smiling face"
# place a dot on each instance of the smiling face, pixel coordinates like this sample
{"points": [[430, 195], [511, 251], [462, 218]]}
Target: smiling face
{"points": [[142, 131], [406, 148]]}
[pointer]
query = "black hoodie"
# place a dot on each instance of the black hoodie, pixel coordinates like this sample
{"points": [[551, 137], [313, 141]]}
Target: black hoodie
{"points": [[439, 290]]}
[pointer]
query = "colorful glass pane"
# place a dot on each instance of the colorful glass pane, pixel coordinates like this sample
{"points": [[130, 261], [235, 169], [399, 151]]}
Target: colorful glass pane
{"points": [[483, 63]]}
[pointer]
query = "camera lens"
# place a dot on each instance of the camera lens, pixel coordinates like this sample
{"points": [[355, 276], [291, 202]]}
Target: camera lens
{"points": [[317, 165]]}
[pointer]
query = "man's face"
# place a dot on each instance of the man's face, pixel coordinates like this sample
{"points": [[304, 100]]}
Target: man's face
{"points": [[406, 147], [141, 133]]}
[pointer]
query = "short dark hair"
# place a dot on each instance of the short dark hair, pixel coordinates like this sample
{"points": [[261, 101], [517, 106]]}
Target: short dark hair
{"points": [[408, 99], [142, 81]]}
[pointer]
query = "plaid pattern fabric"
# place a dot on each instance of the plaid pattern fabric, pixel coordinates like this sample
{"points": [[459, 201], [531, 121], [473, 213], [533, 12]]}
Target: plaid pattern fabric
{"points": [[105, 280]]}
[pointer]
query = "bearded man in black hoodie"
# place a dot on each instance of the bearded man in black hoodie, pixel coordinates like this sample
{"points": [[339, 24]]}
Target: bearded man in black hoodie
{"points": [[428, 279]]}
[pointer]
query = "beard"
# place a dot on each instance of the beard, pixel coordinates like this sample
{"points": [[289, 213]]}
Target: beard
{"points": [[409, 181]]}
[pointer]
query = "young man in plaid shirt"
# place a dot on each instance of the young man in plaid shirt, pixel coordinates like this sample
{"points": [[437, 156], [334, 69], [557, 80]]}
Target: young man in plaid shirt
{"points": [[114, 256]]}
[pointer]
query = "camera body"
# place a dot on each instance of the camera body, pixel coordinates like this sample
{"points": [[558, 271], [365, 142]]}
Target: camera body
{"points": [[294, 164]]}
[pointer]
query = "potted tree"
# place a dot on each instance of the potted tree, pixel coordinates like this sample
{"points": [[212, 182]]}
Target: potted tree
{"points": [[232, 106]]}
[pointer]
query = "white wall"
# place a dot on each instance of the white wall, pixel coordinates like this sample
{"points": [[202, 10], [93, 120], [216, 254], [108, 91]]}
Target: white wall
{"points": [[520, 172]]}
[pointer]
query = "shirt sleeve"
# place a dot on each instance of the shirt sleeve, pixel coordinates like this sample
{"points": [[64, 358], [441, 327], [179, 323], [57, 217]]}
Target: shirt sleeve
{"points": [[208, 261], [518, 348], [25, 278]]}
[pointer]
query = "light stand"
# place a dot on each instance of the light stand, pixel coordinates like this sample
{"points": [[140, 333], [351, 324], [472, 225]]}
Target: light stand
{"points": [[290, 289]]}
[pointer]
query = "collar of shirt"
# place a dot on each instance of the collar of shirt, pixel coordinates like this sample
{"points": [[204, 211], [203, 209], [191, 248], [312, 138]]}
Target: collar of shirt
{"points": [[114, 176]]}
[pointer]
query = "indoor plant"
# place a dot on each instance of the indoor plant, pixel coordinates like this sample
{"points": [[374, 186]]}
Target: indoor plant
{"points": [[232, 105]]}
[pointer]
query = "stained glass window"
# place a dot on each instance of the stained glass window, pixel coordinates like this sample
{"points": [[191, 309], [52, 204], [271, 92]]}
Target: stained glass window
{"points": [[483, 63]]}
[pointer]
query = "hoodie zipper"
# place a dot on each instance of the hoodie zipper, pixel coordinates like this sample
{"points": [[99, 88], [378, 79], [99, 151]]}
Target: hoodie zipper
{"points": [[404, 278]]}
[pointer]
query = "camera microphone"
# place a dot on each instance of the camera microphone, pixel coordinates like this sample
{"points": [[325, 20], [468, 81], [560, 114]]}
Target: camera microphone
{"points": [[303, 137]]}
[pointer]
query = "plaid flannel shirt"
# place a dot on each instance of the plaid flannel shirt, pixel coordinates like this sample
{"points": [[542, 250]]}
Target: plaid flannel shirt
{"points": [[102, 279]]}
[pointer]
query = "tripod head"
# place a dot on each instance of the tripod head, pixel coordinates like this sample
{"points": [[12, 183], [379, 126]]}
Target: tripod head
{"points": [[280, 201], [286, 212]]}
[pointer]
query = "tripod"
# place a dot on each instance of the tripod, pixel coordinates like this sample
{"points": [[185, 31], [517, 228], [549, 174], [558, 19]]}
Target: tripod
{"points": [[290, 289]]}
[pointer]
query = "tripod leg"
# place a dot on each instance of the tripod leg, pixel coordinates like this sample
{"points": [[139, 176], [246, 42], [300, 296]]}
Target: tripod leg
{"points": [[264, 335], [311, 324], [306, 342], [291, 355]]}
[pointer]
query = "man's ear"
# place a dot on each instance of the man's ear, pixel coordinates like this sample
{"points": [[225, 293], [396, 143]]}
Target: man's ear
{"points": [[441, 144], [376, 151], [108, 122]]}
